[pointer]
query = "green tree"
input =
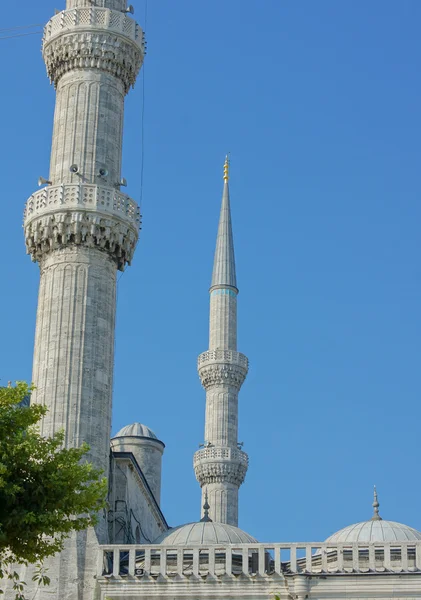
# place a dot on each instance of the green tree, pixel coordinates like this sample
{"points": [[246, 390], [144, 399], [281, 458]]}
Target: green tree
{"points": [[46, 491]]}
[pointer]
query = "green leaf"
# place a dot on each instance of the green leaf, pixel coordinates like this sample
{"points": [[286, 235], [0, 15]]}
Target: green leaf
{"points": [[47, 491]]}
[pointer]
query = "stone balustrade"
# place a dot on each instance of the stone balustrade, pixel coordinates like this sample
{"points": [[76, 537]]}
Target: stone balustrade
{"points": [[216, 453], [223, 356], [222, 367], [96, 39], [264, 560], [94, 18], [73, 215], [90, 197]]}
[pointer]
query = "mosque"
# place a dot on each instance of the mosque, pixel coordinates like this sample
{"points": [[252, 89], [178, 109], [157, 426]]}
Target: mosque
{"points": [[81, 229]]}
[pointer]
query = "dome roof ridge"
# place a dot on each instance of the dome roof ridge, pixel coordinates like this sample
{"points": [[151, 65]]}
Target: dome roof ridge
{"points": [[136, 430]]}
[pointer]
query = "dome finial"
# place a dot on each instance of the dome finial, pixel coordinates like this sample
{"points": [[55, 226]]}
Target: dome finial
{"points": [[206, 518], [226, 168], [376, 516]]}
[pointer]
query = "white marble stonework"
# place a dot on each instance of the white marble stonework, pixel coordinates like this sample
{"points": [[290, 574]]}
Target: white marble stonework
{"points": [[147, 451], [81, 230], [221, 466], [313, 571], [134, 515]]}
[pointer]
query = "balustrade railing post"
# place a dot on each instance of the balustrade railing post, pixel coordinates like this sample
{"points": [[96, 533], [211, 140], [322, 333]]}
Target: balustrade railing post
{"points": [[293, 558], [371, 558], [180, 561], [245, 561], [132, 555], [101, 562], [308, 559], [211, 561], [116, 562], [163, 562], [340, 558], [355, 558], [147, 561], [387, 564], [228, 560], [418, 556], [404, 557], [323, 551], [196, 562], [278, 560], [261, 560]]}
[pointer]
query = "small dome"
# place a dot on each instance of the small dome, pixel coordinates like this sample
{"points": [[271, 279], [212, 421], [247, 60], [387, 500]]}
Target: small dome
{"points": [[136, 430], [204, 532], [375, 530]]}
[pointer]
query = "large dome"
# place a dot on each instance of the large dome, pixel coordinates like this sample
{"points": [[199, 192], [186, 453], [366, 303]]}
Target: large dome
{"points": [[375, 530], [204, 532], [136, 430]]}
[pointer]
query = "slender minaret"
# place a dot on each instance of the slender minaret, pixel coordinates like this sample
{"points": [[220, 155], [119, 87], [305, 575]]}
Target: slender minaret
{"points": [[221, 466], [81, 229]]}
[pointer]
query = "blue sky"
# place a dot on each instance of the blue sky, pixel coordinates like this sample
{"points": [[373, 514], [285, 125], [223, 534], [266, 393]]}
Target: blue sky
{"points": [[319, 105]]}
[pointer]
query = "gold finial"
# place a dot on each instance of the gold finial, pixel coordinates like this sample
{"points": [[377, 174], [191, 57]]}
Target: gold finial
{"points": [[226, 168]]}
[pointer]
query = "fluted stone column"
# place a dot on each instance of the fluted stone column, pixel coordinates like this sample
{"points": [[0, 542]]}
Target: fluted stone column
{"points": [[81, 229], [221, 466]]}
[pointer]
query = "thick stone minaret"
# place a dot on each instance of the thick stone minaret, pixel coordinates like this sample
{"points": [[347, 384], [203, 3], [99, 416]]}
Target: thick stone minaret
{"points": [[221, 466], [81, 229]]}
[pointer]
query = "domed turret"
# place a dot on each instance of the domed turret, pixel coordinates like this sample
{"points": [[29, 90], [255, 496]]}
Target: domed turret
{"points": [[375, 530], [147, 450]]}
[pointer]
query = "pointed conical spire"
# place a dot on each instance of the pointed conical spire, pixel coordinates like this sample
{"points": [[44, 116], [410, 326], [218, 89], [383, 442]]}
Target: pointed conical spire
{"points": [[376, 516], [224, 261]]}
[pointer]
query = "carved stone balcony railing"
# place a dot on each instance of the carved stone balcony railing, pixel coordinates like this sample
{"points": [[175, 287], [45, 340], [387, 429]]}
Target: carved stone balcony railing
{"points": [[218, 453], [220, 464], [82, 215], [89, 197], [146, 563], [93, 38], [222, 367], [96, 18], [223, 356]]}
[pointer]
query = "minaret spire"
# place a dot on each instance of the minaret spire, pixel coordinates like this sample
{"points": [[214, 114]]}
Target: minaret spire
{"points": [[221, 466], [224, 262]]}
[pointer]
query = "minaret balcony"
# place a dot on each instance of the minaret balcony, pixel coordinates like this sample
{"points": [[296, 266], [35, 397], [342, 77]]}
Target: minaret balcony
{"points": [[223, 356], [93, 38], [89, 197], [93, 18], [220, 453], [222, 368], [82, 214], [219, 464]]}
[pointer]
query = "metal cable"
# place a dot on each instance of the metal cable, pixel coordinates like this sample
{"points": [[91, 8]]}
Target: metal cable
{"points": [[21, 27], [9, 37], [142, 125]]}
